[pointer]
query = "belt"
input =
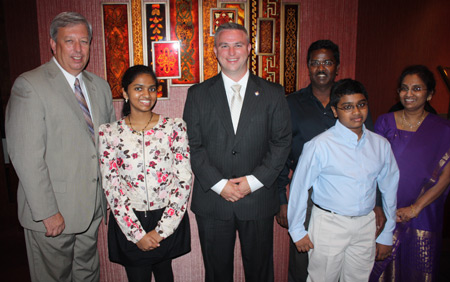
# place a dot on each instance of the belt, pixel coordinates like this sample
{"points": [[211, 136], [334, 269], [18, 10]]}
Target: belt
{"points": [[349, 216], [323, 208]]}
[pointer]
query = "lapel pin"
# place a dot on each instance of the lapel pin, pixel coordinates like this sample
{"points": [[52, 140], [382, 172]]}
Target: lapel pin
{"points": [[257, 93]]}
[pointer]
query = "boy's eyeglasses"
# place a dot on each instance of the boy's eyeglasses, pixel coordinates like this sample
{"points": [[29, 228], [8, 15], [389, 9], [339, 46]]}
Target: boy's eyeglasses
{"points": [[350, 108]]}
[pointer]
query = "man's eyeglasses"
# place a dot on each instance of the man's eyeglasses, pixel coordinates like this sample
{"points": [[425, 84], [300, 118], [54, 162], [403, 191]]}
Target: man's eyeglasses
{"points": [[414, 89], [350, 107], [316, 63]]}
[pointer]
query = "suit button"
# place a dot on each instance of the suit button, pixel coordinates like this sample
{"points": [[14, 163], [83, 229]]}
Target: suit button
{"points": [[233, 153], [94, 180], [94, 157]]}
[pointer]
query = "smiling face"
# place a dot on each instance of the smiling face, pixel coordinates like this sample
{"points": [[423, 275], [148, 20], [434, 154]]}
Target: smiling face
{"points": [[355, 118], [322, 75], [71, 48], [415, 97], [232, 49], [142, 93]]}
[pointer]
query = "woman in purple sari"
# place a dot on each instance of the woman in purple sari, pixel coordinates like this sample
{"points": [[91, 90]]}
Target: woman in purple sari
{"points": [[421, 145]]}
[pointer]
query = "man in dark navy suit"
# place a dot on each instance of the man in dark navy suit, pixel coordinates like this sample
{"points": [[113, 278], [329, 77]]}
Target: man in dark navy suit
{"points": [[239, 134]]}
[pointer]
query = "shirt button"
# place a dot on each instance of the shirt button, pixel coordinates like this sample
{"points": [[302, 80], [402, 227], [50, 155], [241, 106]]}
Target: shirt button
{"points": [[233, 153]]}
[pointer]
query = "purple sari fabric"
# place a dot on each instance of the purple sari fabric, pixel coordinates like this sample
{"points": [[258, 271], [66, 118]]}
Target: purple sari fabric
{"points": [[420, 156]]}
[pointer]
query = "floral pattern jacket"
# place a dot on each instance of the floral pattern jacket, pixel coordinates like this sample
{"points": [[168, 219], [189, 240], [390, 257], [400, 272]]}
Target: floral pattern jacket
{"points": [[146, 171]]}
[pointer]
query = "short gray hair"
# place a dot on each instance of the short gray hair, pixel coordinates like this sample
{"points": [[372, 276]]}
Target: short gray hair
{"points": [[228, 26], [68, 19]]}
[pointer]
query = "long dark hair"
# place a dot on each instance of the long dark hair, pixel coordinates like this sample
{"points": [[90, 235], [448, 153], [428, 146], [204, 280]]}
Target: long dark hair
{"points": [[129, 76]]}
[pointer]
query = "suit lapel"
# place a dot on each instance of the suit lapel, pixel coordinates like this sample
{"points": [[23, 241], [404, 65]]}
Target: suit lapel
{"points": [[250, 106], [220, 102], [60, 84]]}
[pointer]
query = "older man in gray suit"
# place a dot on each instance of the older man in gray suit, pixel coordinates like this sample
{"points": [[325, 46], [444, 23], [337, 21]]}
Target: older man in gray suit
{"points": [[51, 128], [240, 134]]}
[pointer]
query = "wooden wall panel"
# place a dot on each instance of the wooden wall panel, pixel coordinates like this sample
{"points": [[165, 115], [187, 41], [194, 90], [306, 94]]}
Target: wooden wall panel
{"points": [[395, 34], [328, 19]]}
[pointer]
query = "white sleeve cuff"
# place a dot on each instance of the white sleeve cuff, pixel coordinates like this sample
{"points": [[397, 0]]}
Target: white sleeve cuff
{"points": [[254, 183], [219, 186]]}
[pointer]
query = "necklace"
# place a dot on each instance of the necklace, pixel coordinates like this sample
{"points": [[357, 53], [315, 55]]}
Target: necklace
{"points": [[129, 120], [411, 126]]}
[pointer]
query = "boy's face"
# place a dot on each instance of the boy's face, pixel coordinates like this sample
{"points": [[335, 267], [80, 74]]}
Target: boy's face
{"points": [[352, 112]]}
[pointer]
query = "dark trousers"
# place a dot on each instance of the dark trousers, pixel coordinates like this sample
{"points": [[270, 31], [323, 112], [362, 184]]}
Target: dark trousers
{"points": [[217, 240], [298, 264], [162, 271]]}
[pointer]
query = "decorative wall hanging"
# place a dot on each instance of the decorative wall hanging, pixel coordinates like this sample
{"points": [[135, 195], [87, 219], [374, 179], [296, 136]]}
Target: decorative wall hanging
{"points": [[252, 33], [136, 16], [116, 24], [290, 35], [265, 39], [269, 66], [184, 26], [269, 22], [166, 59], [210, 65], [219, 16], [241, 8], [155, 28]]}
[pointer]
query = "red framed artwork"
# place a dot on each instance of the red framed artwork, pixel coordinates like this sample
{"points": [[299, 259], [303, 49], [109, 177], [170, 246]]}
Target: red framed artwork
{"points": [[166, 59], [220, 16], [155, 27]]}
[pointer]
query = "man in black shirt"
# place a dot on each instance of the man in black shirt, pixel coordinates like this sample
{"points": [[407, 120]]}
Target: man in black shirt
{"points": [[311, 115]]}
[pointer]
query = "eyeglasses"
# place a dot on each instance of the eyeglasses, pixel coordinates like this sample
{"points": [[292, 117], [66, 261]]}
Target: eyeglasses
{"points": [[349, 107], [414, 89], [316, 63]]}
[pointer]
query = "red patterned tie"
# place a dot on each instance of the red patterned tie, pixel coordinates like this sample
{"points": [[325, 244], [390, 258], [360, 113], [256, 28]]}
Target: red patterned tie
{"points": [[84, 107]]}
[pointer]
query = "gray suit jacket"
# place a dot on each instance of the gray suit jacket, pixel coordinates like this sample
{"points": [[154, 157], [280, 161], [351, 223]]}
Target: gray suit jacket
{"points": [[259, 147], [51, 149]]}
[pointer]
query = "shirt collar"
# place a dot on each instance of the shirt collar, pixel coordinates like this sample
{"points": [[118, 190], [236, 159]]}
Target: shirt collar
{"points": [[69, 77], [349, 135], [228, 82]]}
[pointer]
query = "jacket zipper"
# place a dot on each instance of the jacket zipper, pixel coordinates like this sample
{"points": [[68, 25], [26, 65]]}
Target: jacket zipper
{"points": [[145, 172]]}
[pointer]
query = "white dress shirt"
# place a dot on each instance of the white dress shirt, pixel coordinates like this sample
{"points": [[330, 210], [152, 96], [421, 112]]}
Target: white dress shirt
{"points": [[253, 182], [71, 80]]}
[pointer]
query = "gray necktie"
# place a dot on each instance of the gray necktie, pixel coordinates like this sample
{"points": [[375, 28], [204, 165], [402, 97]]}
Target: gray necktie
{"points": [[84, 107], [236, 105]]}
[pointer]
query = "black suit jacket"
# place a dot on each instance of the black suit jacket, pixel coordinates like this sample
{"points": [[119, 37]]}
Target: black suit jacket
{"points": [[259, 147]]}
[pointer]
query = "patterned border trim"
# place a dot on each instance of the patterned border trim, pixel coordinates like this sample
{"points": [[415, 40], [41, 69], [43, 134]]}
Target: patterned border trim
{"points": [[136, 15], [291, 50]]}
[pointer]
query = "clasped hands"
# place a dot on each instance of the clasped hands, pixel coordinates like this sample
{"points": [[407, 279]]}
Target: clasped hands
{"points": [[236, 189], [150, 241]]}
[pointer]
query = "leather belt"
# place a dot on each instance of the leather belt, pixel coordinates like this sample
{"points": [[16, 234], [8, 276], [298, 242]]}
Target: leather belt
{"points": [[323, 208]]}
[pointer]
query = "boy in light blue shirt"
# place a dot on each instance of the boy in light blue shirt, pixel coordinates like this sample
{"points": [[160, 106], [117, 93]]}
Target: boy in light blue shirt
{"points": [[343, 166]]}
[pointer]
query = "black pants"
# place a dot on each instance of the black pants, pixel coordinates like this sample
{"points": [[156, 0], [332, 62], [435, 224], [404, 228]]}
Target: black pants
{"points": [[162, 271], [217, 239]]}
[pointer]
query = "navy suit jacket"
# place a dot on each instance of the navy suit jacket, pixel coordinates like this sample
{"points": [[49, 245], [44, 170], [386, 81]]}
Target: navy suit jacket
{"points": [[259, 147]]}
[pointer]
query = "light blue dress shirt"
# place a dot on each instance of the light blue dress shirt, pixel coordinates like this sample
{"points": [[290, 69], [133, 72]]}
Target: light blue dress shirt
{"points": [[344, 173]]}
